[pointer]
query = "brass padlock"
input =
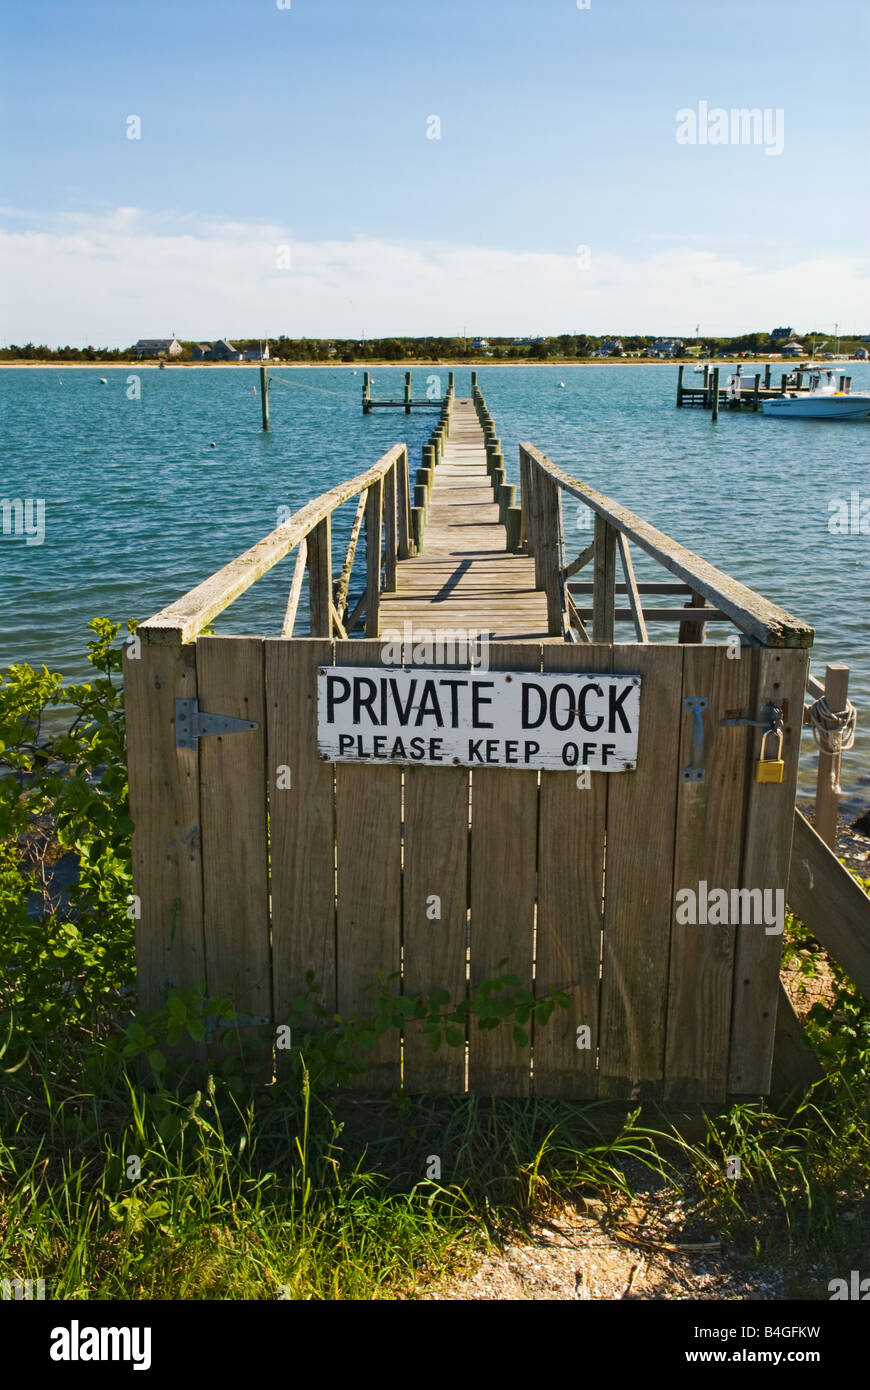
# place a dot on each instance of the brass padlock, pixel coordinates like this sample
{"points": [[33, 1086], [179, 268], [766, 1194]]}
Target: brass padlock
{"points": [[770, 769]]}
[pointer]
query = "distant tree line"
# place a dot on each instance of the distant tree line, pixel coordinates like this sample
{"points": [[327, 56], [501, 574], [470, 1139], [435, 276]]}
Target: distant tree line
{"points": [[560, 347]]}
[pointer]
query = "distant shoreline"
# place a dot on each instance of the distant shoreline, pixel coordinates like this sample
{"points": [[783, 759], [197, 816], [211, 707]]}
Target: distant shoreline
{"points": [[405, 365]]}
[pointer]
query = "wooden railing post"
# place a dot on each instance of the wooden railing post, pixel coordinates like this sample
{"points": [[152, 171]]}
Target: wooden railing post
{"points": [[390, 533], [693, 632], [827, 780], [374, 520], [604, 581], [403, 504], [319, 561], [551, 549]]}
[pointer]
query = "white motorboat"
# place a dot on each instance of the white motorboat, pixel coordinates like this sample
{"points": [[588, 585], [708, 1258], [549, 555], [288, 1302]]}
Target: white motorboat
{"points": [[822, 402]]}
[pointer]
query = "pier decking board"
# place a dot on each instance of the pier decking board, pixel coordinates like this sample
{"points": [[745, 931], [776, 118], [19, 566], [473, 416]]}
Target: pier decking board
{"points": [[465, 578]]}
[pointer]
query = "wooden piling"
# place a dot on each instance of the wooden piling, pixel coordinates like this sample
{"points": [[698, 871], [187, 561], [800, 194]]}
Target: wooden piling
{"points": [[418, 526], [680, 371], [506, 498], [513, 526], [755, 391], [827, 795], [264, 397], [367, 393], [767, 377], [473, 380], [407, 393], [715, 394]]}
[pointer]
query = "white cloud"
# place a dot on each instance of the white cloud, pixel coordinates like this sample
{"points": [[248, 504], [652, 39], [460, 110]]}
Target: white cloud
{"points": [[114, 276]]}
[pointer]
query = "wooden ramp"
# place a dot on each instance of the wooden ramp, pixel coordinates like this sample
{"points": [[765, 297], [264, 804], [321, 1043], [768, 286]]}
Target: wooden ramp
{"points": [[465, 578]]}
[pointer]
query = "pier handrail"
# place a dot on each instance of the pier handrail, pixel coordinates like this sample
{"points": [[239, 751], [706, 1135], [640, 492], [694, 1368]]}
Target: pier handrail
{"points": [[387, 501], [615, 525]]}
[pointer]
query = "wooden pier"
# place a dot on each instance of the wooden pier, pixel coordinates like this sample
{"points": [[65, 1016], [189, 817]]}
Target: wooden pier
{"points": [[749, 391], [464, 576], [258, 855], [407, 403]]}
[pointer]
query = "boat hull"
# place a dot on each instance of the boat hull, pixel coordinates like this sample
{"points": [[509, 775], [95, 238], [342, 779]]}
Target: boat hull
{"points": [[819, 408]]}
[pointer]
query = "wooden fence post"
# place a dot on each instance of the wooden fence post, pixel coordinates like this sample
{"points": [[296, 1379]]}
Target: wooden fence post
{"points": [[604, 581], [827, 797]]}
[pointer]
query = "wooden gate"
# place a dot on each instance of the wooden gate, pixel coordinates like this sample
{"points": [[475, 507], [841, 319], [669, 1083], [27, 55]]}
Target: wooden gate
{"points": [[256, 861]]}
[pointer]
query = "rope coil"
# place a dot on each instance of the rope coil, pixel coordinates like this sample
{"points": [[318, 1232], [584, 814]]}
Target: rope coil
{"points": [[833, 732]]}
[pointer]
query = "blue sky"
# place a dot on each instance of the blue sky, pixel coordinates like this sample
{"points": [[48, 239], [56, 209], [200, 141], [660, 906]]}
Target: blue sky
{"points": [[307, 127]]}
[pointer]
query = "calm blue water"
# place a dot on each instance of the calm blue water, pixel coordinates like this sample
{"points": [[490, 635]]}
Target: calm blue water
{"points": [[140, 508]]}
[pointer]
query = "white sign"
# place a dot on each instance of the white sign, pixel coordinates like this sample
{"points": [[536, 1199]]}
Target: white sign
{"points": [[477, 719]]}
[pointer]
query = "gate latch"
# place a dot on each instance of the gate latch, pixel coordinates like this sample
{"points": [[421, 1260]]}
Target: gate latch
{"points": [[191, 723], [772, 720], [695, 771]]}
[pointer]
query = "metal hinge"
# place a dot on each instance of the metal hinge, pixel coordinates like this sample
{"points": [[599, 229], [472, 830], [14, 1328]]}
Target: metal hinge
{"points": [[191, 723]]}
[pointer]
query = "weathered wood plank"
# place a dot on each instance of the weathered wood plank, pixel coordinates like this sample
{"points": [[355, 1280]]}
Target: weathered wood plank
{"points": [[638, 894], [631, 585], [769, 827], [830, 902], [369, 866], [434, 932], [295, 590], [795, 1066], [570, 894], [302, 824], [708, 850], [232, 788], [504, 816], [167, 841]]}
